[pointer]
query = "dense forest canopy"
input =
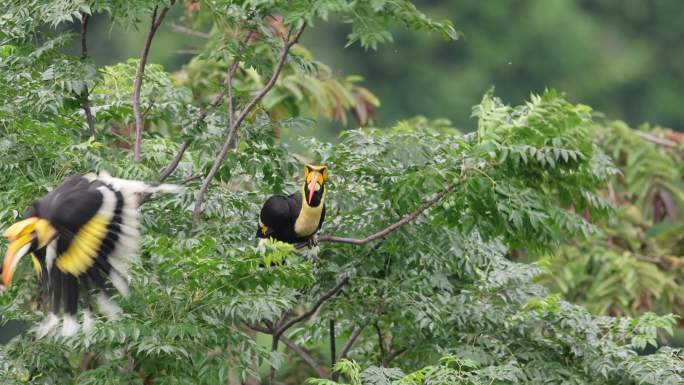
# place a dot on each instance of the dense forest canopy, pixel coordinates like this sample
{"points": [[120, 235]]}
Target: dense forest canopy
{"points": [[449, 255]]}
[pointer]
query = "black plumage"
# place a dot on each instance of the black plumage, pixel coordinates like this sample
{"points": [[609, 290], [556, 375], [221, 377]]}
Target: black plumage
{"points": [[278, 216], [81, 236], [297, 217]]}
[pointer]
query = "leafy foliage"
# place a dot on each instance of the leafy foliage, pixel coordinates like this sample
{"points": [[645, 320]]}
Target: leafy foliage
{"points": [[205, 298], [635, 263]]}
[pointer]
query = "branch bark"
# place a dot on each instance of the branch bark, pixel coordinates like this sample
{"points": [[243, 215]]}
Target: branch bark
{"points": [[394, 226], [392, 355], [215, 101], [657, 140], [333, 348], [238, 121], [174, 163], [306, 357], [353, 337], [85, 361], [189, 32], [137, 85], [85, 98], [381, 342], [279, 330]]}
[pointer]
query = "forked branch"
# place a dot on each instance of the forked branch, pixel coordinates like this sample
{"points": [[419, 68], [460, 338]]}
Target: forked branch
{"points": [[215, 101], [392, 355], [166, 172], [239, 119], [279, 330], [321, 372]]}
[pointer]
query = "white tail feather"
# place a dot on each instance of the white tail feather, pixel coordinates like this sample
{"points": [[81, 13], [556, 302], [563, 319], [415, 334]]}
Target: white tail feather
{"points": [[107, 307], [47, 326], [88, 322], [119, 283], [70, 326]]}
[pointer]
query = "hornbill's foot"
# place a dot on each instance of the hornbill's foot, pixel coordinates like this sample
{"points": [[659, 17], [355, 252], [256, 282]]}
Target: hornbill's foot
{"points": [[312, 250], [313, 241]]}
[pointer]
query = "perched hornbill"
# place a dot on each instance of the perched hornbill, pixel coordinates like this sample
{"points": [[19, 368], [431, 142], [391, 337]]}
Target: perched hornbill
{"points": [[296, 218], [81, 237]]}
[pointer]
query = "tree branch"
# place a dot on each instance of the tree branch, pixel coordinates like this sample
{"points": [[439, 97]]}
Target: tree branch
{"points": [[393, 354], [189, 32], [394, 226], [381, 341], [137, 85], [280, 330], [238, 121], [215, 101], [85, 99], [306, 357], [353, 337], [85, 361], [84, 32], [333, 348], [174, 163], [656, 139], [277, 331], [260, 329]]}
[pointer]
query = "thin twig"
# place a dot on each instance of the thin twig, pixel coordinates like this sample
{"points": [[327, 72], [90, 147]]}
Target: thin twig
{"points": [[381, 341], [168, 170], [657, 140], [333, 348], [353, 337], [85, 362], [84, 32], [274, 348], [238, 121], [260, 329], [280, 330], [306, 357], [277, 331], [393, 354], [190, 32], [85, 97], [174, 163], [137, 86]]}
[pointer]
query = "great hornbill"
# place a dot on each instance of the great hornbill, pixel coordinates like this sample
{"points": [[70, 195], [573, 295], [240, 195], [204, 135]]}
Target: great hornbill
{"points": [[297, 217], [82, 237]]}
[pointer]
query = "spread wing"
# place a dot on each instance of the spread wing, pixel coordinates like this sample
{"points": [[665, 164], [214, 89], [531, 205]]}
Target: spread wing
{"points": [[97, 234], [96, 221]]}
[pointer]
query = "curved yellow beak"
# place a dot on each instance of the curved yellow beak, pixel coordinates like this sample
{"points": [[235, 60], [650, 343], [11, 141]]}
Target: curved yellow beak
{"points": [[21, 237], [312, 187], [17, 249]]}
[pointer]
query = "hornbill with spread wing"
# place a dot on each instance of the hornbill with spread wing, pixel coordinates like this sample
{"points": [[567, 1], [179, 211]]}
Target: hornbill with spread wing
{"points": [[297, 217], [82, 237]]}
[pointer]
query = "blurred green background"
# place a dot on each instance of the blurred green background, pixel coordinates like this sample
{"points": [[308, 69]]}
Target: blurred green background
{"points": [[622, 57]]}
